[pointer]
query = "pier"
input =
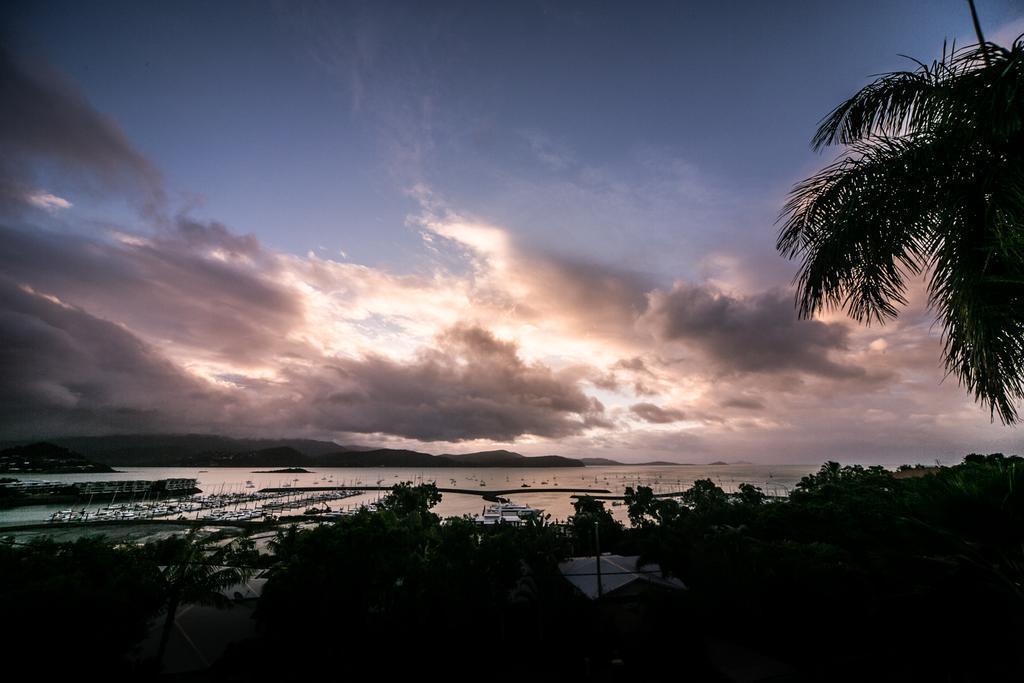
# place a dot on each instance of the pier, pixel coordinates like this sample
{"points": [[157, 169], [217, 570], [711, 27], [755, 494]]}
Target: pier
{"points": [[469, 492]]}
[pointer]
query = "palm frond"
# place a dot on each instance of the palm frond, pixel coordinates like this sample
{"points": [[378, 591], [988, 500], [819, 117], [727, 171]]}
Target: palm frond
{"points": [[977, 287], [860, 227], [975, 88], [199, 573], [933, 180]]}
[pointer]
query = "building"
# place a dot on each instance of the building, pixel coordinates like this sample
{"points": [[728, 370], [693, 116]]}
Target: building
{"points": [[99, 488], [121, 486], [619, 577], [186, 485]]}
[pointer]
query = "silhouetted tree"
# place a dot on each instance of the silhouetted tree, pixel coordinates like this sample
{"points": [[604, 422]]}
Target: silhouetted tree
{"points": [[646, 510], [748, 494], [404, 498], [640, 504], [590, 513], [932, 181], [195, 573], [705, 497]]}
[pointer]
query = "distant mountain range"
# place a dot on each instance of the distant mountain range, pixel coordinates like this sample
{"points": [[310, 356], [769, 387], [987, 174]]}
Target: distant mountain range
{"points": [[210, 450], [200, 450], [389, 457]]}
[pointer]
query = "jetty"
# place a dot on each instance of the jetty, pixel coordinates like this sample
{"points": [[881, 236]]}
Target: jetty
{"points": [[483, 493]]}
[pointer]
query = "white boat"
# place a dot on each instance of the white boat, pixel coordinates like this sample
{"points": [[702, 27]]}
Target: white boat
{"points": [[506, 513]]}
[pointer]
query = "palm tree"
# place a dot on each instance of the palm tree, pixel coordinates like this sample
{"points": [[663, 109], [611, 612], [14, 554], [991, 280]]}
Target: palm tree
{"points": [[195, 575], [931, 182]]}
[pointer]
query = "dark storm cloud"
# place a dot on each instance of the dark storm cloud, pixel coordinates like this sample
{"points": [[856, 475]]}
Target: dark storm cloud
{"points": [[209, 294], [65, 371], [648, 412], [753, 334], [169, 287], [45, 123], [471, 385]]}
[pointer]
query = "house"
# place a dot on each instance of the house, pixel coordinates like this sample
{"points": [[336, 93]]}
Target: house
{"points": [[619, 577]]}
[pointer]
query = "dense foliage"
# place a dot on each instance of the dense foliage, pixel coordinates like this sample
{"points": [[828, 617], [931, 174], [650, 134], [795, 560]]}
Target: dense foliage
{"points": [[88, 601], [400, 578], [861, 574]]}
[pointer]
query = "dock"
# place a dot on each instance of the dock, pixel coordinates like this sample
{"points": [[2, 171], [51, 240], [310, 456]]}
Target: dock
{"points": [[483, 493]]}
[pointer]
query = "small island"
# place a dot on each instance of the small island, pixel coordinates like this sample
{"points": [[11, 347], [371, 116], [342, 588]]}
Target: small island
{"points": [[286, 470]]}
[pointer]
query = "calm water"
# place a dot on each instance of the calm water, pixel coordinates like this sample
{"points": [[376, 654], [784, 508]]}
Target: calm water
{"points": [[774, 479]]}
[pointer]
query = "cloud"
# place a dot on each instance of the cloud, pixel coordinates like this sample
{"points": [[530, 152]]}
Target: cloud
{"points": [[196, 327], [47, 125], [196, 287], [65, 371], [579, 298], [648, 412], [635, 370], [554, 155], [743, 402], [600, 299], [470, 385], [47, 201], [180, 324], [219, 333], [758, 333]]}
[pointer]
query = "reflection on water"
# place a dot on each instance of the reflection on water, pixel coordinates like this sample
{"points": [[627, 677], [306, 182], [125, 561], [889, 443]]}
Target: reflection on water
{"points": [[774, 479]]}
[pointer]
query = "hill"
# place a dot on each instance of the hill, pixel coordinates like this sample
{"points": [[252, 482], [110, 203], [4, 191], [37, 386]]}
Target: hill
{"points": [[600, 462], [46, 458], [168, 450], [384, 457], [275, 456], [502, 458]]}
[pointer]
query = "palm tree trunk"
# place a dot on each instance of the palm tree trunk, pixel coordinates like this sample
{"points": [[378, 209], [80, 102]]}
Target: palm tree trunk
{"points": [[165, 636], [977, 30]]}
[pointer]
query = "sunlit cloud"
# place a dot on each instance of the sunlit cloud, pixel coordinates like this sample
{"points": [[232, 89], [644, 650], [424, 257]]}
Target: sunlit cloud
{"points": [[171, 322], [47, 201]]}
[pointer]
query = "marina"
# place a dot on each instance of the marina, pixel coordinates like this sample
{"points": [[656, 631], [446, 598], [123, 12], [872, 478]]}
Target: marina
{"points": [[240, 495], [214, 508]]}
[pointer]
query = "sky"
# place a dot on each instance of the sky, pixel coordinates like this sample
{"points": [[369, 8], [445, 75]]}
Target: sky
{"points": [[452, 226]]}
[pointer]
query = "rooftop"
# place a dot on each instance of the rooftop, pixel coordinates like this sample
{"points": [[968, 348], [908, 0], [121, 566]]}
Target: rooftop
{"points": [[619, 574]]}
